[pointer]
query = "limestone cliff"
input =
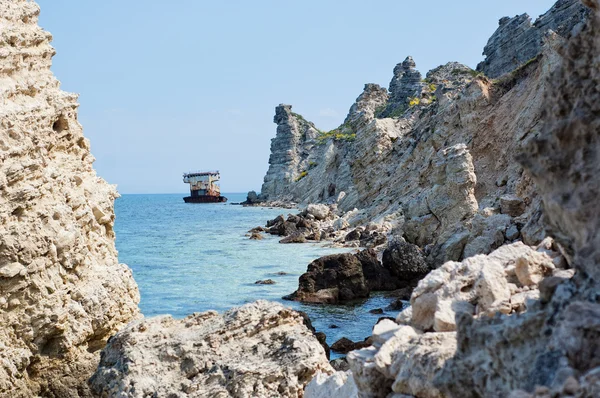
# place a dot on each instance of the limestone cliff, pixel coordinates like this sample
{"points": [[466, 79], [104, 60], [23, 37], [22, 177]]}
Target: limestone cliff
{"points": [[463, 335], [517, 41], [434, 157], [62, 290]]}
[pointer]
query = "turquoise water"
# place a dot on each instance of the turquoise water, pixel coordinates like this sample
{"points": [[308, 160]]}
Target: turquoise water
{"points": [[195, 257]]}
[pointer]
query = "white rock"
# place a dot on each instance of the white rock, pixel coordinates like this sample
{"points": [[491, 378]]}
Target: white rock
{"points": [[51, 244], [261, 349], [319, 211], [532, 266], [339, 384]]}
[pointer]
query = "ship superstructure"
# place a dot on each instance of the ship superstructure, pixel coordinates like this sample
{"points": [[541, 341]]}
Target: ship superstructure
{"points": [[204, 187]]}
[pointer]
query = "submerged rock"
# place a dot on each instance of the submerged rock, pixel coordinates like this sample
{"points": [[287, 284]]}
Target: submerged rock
{"points": [[257, 350], [265, 282]]}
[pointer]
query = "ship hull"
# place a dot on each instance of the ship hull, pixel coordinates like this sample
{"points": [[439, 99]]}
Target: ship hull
{"points": [[205, 199]]}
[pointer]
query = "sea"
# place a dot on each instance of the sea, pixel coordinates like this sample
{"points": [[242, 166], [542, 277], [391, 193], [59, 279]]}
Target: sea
{"points": [[190, 258]]}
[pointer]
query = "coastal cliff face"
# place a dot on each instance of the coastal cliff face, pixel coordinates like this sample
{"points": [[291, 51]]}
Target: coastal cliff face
{"points": [[517, 40], [446, 345], [434, 157], [62, 291]]}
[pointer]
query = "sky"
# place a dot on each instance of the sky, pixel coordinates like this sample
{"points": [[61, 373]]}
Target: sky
{"points": [[167, 87]]}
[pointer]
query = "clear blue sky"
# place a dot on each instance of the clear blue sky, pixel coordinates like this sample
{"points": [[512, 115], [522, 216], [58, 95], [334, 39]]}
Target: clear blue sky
{"points": [[170, 86]]}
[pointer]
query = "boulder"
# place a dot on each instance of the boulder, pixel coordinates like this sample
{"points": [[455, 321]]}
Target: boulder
{"points": [[319, 211], [277, 220], [405, 261], [512, 205], [256, 236], [296, 237], [477, 285], [343, 345], [376, 275], [259, 349], [332, 279]]}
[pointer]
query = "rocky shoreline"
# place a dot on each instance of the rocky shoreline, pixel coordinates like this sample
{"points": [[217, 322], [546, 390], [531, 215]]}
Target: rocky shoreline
{"points": [[498, 257]]}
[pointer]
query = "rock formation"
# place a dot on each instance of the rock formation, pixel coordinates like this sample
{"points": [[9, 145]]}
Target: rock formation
{"points": [[62, 291], [295, 137], [434, 157], [408, 358], [405, 85], [261, 349], [343, 277], [517, 41], [466, 334]]}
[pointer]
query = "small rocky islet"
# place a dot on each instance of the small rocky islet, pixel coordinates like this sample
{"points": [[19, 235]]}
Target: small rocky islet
{"points": [[468, 193]]}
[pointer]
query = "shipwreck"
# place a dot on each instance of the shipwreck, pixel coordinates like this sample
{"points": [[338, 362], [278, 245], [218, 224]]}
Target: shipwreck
{"points": [[204, 187]]}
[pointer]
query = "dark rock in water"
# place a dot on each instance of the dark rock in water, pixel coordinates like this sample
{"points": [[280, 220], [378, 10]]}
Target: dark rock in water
{"points": [[396, 305], [277, 220], [376, 311], [252, 199], [340, 364], [333, 326], [265, 282], [405, 261], [297, 237], [403, 293], [257, 229], [256, 236], [331, 279], [285, 228], [281, 273], [343, 277], [343, 345], [376, 276], [322, 338]]}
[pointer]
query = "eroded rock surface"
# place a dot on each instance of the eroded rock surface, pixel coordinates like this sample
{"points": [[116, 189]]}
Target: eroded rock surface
{"points": [[407, 356], [261, 349], [343, 277], [62, 291], [517, 40], [551, 349], [433, 158]]}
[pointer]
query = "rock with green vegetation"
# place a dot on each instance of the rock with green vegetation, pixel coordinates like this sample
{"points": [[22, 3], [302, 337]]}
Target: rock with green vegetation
{"points": [[406, 84]]}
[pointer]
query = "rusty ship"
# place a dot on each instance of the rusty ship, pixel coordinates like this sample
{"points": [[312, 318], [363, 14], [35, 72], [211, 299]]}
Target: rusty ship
{"points": [[204, 187]]}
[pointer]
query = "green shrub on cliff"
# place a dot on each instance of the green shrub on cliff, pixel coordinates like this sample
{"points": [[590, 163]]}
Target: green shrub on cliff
{"points": [[301, 176], [414, 101], [343, 133]]}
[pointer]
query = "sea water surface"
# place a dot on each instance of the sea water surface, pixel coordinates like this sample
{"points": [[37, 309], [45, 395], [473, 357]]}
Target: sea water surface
{"points": [[196, 257]]}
